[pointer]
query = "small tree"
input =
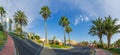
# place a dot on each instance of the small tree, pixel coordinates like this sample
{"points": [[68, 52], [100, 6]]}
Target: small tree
{"points": [[37, 37], [54, 37]]}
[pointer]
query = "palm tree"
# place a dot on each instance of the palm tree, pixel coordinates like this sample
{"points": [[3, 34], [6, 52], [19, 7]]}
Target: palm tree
{"points": [[10, 25], [64, 22], [97, 29], [45, 12], [2, 14], [68, 30], [110, 28], [20, 20]]}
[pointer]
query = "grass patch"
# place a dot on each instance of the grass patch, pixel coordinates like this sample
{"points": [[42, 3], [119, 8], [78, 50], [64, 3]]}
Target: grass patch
{"points": [[114, 51], [22, 37], [57, 46], [3, 38]]}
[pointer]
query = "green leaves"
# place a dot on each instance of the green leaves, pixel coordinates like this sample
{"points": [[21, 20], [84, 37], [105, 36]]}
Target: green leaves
{"points": [[97, 27], [68, 29], [45, 12], [64, 21], [110, 26], [2, 11], [20, 18]]}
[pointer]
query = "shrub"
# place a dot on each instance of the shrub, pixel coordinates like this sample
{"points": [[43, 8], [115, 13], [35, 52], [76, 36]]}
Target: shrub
{"points": [[100, 46], [1, 29], [39, 41]]}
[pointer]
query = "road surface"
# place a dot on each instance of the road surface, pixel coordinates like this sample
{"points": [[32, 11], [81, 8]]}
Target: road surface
{"points": [[27, 47]]}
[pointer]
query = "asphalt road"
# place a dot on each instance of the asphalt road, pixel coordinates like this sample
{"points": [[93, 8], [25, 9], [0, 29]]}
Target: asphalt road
{"points": [[27, 47], [73, 51]]}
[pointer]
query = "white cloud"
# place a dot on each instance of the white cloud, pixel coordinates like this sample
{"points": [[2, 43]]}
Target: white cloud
{"points": [[77, 20], [80, 18]]}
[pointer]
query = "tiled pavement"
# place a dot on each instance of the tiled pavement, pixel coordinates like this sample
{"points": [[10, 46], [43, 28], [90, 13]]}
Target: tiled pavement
{"points": [[8, 48], [101, 52]]}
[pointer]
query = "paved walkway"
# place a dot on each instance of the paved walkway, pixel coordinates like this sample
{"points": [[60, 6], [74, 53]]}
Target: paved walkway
{"points": [[8, 48], [101, 52]]}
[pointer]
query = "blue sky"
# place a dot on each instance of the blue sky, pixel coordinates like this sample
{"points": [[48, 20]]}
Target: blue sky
{"points": [[79, 12]]}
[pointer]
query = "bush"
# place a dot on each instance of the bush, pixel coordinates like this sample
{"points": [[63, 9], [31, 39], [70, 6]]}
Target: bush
{"points": [[39, 41], [1, 43], [1, 29], [100, 46], [2, 38], [114, 50]]}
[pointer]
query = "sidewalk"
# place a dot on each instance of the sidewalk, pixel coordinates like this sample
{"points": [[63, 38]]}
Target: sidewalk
{"points": [[8, 48], [100, 52]]}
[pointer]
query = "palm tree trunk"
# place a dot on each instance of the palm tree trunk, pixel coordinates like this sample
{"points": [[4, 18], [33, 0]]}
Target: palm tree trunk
{"points": [[16, 26], [109, 40], [69, 39], [45, 24], [21, 31], [64, 37], [101, 40]]}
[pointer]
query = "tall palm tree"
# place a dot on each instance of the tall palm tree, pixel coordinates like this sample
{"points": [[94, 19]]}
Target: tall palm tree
{"points": [[64, 22], [45, 12], [97, 29], [20, 20], [2, 14], [10, 24], [68, 30], [110, 28]]}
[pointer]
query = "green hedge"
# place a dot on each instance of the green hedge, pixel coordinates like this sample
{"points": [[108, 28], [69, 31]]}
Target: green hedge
{"points": [[114, 50], [3, 39]]}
